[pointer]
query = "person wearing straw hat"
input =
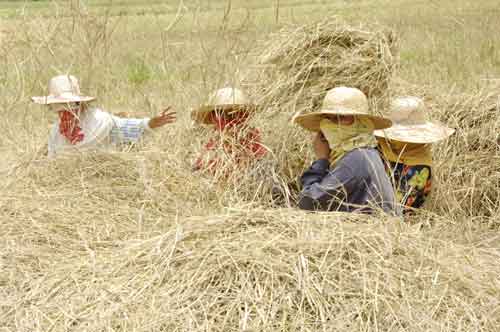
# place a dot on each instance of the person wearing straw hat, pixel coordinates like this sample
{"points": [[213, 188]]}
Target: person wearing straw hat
{"points": [[348, 174], [228, 111], [81, 126], [406, 146]]}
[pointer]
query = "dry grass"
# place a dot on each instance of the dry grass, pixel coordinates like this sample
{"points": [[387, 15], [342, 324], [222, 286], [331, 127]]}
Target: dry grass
{"points": [[134, 241], [300, 64]]}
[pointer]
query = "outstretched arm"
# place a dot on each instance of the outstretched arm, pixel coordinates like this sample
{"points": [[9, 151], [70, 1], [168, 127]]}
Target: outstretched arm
{"points": [[165, 117], [130, 130]]}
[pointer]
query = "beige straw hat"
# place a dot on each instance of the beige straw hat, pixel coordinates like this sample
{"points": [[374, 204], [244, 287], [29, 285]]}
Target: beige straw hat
{"points": [[410, 124], [225, 99], [342, 101], [62, 89]]}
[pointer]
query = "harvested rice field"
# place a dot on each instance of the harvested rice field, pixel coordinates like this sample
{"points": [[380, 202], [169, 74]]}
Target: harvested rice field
{"points": [[134, 240]]}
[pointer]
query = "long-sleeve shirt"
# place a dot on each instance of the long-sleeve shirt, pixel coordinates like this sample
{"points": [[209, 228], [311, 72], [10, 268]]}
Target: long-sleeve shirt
{"points": [[357, 183], [100, 130], [128, 130]]}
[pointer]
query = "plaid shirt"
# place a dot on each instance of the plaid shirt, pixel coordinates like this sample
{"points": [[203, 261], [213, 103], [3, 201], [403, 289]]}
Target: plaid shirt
{"points": [[127, 130]]}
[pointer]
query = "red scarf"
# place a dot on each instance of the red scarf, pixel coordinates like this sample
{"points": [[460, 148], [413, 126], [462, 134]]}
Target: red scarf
{"points": [[248, 146], [221, 123], [69, 127]]}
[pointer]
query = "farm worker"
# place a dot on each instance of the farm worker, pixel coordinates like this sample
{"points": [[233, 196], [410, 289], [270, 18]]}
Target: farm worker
{"points": [[348, 174], [82, 126], [406, 147], [234, 143]]}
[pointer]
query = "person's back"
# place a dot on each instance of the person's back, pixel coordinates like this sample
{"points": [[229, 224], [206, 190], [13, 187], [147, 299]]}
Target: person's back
{"points": [[357, 183]]}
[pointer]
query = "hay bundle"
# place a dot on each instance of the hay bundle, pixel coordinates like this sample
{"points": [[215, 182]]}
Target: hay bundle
{"points": [[257, 270], [300, 64], [468, 161]]}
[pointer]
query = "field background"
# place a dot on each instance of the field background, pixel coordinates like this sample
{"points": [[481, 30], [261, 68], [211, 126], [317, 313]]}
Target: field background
{"points": [[133, 241]]}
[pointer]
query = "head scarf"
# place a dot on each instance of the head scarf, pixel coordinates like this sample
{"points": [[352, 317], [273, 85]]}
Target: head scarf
{"points": [[344, 138], [410, 154], [69, 123]]}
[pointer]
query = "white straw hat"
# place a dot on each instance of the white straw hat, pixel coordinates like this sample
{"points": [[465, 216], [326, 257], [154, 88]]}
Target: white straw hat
{"points": [[342, 101], [225, 100], [410, 124], [62, 89]]}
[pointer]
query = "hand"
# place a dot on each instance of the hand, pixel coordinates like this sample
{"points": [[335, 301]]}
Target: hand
{"points": [[164, 118], [321, 147]]}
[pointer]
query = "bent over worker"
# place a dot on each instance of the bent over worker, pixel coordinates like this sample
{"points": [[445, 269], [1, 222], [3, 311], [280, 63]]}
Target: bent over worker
{"points": [[348, 174]]}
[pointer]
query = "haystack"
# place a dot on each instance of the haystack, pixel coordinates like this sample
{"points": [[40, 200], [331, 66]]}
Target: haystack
{"points": [[295, 68], [300, 64], [469, 159], [245, 270]]}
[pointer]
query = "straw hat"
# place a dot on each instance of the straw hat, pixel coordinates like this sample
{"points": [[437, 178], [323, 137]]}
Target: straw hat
{"points": [[62, 89], [411, 125], [342, 101], [225, 100]]}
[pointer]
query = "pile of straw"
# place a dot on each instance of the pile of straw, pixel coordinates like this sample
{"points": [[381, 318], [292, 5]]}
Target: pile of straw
{"points": [[468, 161], [299, 64], [87, 244], [136, 241]]}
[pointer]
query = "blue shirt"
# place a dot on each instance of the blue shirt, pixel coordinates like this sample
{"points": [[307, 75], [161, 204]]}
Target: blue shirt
{"points": [[357, 183]]}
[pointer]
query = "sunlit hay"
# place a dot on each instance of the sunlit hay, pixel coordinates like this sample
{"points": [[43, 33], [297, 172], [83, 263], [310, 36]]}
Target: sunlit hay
{"points": [[263, 270], [298, 65], [468, 161], [103, 196]]}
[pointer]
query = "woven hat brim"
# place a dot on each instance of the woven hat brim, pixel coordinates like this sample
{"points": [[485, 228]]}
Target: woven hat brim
{"points": [[429, 132], [48, 100], [311, 121], [202, 114]]}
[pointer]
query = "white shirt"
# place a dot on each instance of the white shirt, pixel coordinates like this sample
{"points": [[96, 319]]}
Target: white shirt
{"points": [[101, 131]]}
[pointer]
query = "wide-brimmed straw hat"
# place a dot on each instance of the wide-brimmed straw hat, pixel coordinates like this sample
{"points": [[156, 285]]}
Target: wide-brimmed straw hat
{"points": [[224, 100], [410, 124], [62, 89], [342, 101]]}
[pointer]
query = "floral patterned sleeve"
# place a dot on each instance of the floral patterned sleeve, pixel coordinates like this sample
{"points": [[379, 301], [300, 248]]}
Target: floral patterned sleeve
{"points": [[413, 184]]}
